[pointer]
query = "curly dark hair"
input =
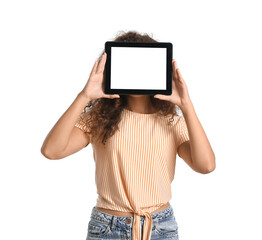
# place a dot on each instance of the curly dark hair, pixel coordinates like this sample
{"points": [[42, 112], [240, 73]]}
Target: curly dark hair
{"points": [[103, 115]]}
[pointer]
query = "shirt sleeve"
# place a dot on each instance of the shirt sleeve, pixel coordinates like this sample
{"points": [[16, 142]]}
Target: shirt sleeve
{"points": [[80, 123], [181, 131]]}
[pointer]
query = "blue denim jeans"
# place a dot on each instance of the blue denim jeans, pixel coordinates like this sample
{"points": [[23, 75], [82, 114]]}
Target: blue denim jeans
{"points": [[106, 226]]}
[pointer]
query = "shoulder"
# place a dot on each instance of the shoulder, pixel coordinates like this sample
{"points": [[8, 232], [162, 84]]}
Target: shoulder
{"points": [[173, 120]]}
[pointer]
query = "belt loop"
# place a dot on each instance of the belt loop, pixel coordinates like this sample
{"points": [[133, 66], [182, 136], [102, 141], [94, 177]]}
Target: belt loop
{"points": [[113, 223]]}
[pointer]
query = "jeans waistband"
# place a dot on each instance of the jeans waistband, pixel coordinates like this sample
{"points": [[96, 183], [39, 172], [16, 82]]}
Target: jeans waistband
{"points": [[108, 218]]}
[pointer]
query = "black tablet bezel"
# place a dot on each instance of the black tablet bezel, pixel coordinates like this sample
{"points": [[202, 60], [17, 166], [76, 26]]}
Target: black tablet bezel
{"points": [[107, 75]]}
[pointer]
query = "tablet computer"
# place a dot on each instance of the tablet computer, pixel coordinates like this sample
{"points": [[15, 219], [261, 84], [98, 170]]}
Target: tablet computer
{"points": [[138, 68]]}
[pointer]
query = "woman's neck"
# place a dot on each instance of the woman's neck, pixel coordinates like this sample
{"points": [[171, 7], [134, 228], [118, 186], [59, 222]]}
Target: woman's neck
{"points": [[140, 104]]}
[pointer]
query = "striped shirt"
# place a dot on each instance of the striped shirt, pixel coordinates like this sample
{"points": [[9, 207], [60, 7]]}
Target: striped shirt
{"points": [[135, 169]]}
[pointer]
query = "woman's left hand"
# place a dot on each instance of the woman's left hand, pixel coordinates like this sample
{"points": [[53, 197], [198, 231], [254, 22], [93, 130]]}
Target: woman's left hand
{"points": [[179, 95]]}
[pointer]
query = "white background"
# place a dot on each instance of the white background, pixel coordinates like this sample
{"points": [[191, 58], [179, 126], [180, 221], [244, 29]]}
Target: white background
{"points": [[47, 52]]}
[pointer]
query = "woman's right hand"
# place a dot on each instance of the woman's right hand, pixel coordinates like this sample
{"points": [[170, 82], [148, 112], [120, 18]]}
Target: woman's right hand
{"points": [[94, 86]]}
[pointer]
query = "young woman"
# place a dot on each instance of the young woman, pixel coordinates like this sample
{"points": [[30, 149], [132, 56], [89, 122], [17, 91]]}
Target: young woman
{"points": [[135, 139]]}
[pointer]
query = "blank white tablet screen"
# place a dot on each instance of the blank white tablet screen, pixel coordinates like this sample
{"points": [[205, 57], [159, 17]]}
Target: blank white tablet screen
{"points": [[138, 68]]}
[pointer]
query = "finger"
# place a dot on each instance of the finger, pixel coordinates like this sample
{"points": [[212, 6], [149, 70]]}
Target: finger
{"points": [[161, 97], [174, 72], [180, 78], [116, 96], [94, 68], [111, 96], [176, 67], [101, 64]]}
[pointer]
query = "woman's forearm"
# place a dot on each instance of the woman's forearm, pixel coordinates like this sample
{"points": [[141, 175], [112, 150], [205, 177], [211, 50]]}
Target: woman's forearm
{"points": [[202, 154], [58, 137]]}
